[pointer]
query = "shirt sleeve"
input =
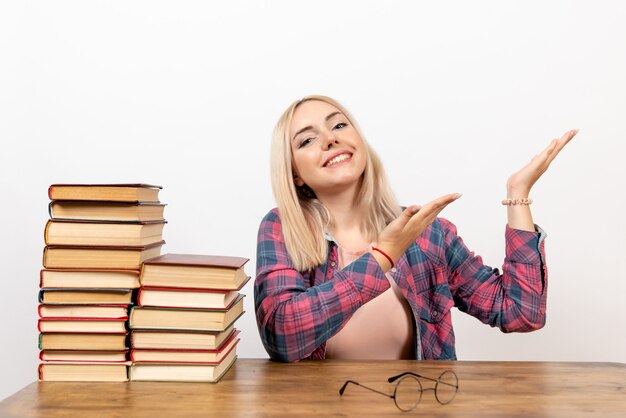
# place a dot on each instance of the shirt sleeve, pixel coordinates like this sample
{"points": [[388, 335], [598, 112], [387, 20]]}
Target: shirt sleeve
{"points": [[294, 315], [514, 300]]}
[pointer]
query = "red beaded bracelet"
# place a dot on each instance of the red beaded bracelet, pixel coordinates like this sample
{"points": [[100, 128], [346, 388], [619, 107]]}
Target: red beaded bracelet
{"points": [[385, 254]]}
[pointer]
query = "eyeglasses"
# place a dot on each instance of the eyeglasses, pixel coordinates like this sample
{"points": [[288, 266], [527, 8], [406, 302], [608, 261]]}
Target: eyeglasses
{"points": [[408, 390]]}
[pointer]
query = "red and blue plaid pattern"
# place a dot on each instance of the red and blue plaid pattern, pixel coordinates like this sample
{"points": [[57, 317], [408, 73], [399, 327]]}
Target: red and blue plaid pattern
{"points": [[298, 311]]}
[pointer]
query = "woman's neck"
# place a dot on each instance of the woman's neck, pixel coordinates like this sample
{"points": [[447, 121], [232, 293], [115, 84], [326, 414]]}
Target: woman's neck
{"points": [[347, 218]]}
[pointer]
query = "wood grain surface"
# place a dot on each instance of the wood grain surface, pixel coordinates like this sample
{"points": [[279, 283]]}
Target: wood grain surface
{"points": [[256, 387]]}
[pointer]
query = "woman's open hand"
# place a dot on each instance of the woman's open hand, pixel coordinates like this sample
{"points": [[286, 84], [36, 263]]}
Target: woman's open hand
{"points": [[519, 184], [406, 228]]}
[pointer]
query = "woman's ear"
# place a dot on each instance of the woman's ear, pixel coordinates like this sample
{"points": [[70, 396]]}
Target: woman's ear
{"points": [[298, 181]]}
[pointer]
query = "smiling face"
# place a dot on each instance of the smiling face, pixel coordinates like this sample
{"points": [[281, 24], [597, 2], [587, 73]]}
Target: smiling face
{"points": [[328, 153]]}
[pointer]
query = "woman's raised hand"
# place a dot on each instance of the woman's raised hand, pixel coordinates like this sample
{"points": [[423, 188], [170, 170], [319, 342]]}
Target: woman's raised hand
{"points": [[396, 238], [520, 183]]}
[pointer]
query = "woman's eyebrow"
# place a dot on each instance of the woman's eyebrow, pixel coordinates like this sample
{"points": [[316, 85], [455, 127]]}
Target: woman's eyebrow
{"points": [[306, 128]]}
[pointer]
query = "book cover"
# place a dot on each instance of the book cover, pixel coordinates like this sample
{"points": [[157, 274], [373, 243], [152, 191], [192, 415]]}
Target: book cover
{"points": [[83, 372], [185, 356], [89, 278], [172, 372], [82, 325], [194, 271], [186, 319], [105, 211], [82, 356], [83, 311], [131, 192], [200, 260], [103, 233], [88, 296], [173, 297], [180, 339], [102, 257], [82, 341]]}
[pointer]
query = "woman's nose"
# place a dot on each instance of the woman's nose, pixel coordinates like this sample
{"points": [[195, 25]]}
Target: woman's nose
{"points": [[331, 140]]}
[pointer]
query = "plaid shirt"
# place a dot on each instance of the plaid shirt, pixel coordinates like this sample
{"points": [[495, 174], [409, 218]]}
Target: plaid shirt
{"points": [[298, 311]]}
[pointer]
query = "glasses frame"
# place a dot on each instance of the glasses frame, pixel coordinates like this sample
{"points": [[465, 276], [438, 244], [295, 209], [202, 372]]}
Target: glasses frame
{"points": [[410, 375]]}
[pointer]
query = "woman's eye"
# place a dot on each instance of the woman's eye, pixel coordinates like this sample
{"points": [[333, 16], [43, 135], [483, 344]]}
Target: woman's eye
{"points": [[340, 125], [305, 142]]}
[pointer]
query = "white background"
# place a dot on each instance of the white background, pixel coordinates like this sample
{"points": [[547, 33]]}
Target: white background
{"points": [[454, 96]]}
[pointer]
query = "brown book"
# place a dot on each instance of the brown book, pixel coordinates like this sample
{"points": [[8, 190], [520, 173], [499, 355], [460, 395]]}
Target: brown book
{"points": [[84, 325], [99, 257], [108, 233], [73, 341], [83, 372], [184, 356], [186, 319], [138, 192], [169, 297], [80, 356], [172, 372], [83, 311], [85, 296], [180, 340], [194, 271], [84, 278], [105, 211]]}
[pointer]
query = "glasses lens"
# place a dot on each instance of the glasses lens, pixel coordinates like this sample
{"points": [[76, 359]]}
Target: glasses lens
{"points": [[408, 393], [446, 387]]}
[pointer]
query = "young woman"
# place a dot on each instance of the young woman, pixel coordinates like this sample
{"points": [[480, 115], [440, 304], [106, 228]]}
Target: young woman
{"points": [[344, 272]]}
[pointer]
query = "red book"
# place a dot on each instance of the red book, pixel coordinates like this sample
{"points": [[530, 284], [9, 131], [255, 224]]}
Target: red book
{"points": [[185, 356], [172, 297]]}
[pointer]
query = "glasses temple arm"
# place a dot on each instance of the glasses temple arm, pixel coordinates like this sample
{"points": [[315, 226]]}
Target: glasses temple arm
{"points": [[343, 388]]}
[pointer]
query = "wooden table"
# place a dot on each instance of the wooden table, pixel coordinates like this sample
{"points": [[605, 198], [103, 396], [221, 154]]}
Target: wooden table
{"points": [[256, 387]]}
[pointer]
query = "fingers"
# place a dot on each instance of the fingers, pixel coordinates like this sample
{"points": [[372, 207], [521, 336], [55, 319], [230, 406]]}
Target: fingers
{"points": [[558, 144], [430, 210], [407, 214]]}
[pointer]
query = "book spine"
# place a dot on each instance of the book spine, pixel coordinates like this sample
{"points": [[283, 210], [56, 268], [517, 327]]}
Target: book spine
{"points": [[45, 231], [50, 191], [40, 372], [40, 341], [139, 296], [43, 260]]}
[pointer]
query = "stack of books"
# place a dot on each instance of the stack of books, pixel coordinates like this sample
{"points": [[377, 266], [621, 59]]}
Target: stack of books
{"points": [[96, 239], [183, 328]]}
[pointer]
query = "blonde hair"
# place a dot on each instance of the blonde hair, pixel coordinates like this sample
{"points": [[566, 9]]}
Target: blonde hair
{"points": [[304, 218]]}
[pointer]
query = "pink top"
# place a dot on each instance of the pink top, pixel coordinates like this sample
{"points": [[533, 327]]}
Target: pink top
{"points": [[381, 329]]}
